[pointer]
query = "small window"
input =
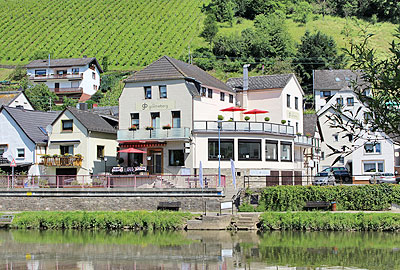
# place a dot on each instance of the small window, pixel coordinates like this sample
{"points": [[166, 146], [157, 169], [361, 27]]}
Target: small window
{"points": [[176, 158], [230, 98], [135, 120], [94, 87], [288, 101], [147, 92], [21, 152], [372, 148], [176, 119], [203, 91], [67, 125], [210, 93], [93, 75], [100, 151], [367, 116], [66, 149], [163, 91], [341, 160], [75, 70], [271, 150], [339, 101], [222, 96], [325, 93], [296, 103], [289, 123], [286, 151], [322, 155], [350, 101]]}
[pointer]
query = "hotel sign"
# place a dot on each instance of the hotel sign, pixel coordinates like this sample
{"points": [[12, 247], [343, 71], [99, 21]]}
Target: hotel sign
{"points": [[293, 115], [159, 105]]}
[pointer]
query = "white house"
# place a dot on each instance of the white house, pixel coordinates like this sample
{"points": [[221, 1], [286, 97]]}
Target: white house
{"points": [[23, 137], [169, 110], [15, 99], [77, 78], [372, 152]]}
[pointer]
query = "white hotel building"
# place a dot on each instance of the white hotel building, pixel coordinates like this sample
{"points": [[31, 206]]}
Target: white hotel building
{"points": [[169, 110]]}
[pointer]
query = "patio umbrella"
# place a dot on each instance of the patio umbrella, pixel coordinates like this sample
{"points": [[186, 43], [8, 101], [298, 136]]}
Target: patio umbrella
{"points": [[233, 110], [132, 150], [255, 112]]}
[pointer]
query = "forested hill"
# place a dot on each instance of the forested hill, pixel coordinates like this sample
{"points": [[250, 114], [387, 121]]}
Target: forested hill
{"points": [[131, 33]]}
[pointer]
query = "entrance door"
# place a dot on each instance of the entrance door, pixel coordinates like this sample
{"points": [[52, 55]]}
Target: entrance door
{"points": [[56, 87], [155, 163]]}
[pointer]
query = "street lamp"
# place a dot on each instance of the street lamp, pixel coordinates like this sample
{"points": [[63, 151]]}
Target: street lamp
{"points": [[105, 165], [219, 152]]}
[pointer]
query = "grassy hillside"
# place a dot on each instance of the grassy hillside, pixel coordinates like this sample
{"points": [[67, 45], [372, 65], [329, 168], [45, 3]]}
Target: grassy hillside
{"points": [[4, 73], [131, 33]]}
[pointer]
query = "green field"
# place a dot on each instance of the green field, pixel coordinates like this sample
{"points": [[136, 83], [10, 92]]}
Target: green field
{"points": [[134, 33], [4, 73]]}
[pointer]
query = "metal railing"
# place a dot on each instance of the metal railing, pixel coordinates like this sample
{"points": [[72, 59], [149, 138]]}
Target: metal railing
{"points": [[158, 133], [67, 90], [306, 140], [243, 126], [111, 181], [68, 161], [57, 76]]}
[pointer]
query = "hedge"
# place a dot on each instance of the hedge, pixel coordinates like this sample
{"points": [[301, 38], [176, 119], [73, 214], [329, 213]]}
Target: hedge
{"points": [[363, 197], [319, 221], [81, 220]]}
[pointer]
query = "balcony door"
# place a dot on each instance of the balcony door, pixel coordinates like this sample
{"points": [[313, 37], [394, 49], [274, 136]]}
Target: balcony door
{"points": [[155, 163], [56, 86], [155, 120]]}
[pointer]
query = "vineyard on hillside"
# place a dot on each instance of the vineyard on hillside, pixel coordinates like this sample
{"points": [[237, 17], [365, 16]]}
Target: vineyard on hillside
{"points": [[131, 33]]}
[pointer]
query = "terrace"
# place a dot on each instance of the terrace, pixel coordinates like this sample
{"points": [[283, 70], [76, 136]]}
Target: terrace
{"points": [[76, 76], [69, 90]]}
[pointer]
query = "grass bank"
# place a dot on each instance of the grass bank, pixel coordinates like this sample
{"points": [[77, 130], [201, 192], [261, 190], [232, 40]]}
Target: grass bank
{"points": [[330, 221], [106, 220]]}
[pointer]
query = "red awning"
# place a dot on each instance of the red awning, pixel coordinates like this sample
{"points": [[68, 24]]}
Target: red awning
{"points": [[233, 109], [255, 111], [141, 144], [132, 150]]}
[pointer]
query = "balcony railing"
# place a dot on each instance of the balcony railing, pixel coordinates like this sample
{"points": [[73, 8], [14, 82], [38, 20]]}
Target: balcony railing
{"points": [[243, 126], [305, 140], [68, 161], [70, 90], [57, 76], [156, 134]]}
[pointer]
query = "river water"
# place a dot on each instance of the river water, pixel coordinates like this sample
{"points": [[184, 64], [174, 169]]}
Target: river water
{"points": [[198, 250]]}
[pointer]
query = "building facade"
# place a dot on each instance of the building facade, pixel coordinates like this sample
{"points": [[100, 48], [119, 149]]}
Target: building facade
{"points": [[15, 99]]}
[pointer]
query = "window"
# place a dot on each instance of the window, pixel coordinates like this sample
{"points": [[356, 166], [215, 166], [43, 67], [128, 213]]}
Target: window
{"points": [[40, 72], [93, 75], [325, 93], [222, 96], [61, 72], [350, 137], [226, 149], [66, 149], [297, 127], [135, 120], [74, 84], [163, 91], [350, 101], [210, 93], [230, 98], [203, 91], [374, 166], [367, 116], [94, 87], [176, 158], [100, 151], [147, 92], [176, 119], [372, 148], [20, 152], [336, 137], [155, 119], [2, 150], [339, 101], [296, 103], [75, 70], [66, 125], [271, 150], [322, 155], [249, 149], [288, 101], [286, 151], [341, 160]]}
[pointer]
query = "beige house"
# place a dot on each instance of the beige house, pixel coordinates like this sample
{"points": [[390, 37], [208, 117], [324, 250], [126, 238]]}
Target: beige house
{"points": [[79, 143]]}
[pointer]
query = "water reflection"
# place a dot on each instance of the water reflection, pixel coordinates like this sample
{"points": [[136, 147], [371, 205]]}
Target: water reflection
{"points": [[35, 250]]}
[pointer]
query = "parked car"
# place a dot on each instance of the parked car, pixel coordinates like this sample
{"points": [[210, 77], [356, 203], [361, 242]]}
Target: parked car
{"points": [[379, 178], [324, 179], [342, 175]]}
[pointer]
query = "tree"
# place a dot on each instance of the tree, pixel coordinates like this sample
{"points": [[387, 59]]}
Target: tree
{"points": [[210, 29], [316, 51], [224, 10], [41, 97], [104, 63], [68, 102], [17, 74]]}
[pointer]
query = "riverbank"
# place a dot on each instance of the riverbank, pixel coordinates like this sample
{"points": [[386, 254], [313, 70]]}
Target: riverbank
{"points": [[106, 220]]}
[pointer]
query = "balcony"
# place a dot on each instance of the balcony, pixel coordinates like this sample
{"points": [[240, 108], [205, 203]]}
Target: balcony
{"points": [[155, 134], [306, 141], [70, 90], [69, 76], [244, 126], [62, 161]]}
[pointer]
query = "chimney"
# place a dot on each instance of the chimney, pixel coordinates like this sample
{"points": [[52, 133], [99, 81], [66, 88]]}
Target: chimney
{"points": [[245, 77]]}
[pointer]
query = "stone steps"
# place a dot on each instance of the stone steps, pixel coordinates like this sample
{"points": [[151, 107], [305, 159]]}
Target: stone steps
{"points": [[247, 221]]}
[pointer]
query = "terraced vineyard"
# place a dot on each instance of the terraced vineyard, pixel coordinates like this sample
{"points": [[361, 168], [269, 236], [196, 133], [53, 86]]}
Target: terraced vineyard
{"points": [[132, 33]]}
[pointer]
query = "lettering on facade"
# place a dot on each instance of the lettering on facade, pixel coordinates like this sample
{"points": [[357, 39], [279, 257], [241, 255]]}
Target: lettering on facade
{"points": [[155, 105], [293, 115], [260, 172]]}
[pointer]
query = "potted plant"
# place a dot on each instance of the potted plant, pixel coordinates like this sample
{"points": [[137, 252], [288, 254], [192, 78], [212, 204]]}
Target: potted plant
{"points": [[298, 133], [266, 119], [283, 122], [133, 128], [308, 134], [220, 117], [149, 128], [247, 118], [166, 127]]}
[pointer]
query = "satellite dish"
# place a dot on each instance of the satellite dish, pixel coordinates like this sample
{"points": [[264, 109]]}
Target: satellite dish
{"points": [[49, 129], [8, 155]]}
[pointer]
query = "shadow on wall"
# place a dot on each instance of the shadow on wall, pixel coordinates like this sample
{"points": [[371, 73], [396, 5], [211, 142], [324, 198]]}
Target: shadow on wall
{"points": [[99, 165]]}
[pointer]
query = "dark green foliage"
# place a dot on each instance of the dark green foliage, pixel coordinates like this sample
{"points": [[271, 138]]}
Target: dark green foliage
{"points": [[40, 55], [104, 63], [18, 74], [41, 97], [223, 10], [134, 220], [319, 221], [366, 197], [204, 58], [210, 29], [316, 51]]}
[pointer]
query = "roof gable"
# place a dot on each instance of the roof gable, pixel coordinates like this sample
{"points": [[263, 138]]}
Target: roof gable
{"points": [[64, 62]]}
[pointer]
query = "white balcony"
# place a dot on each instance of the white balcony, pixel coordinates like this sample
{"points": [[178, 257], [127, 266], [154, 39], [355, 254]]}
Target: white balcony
{"points": [[172, 134], [73, 76]]}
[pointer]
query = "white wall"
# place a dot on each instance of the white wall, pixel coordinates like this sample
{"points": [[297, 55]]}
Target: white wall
{"points": [[320, 101], [21, 100], [206, 108]]}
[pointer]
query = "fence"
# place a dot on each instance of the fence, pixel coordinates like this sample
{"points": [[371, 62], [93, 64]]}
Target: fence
{"points": [[111, 181]]}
